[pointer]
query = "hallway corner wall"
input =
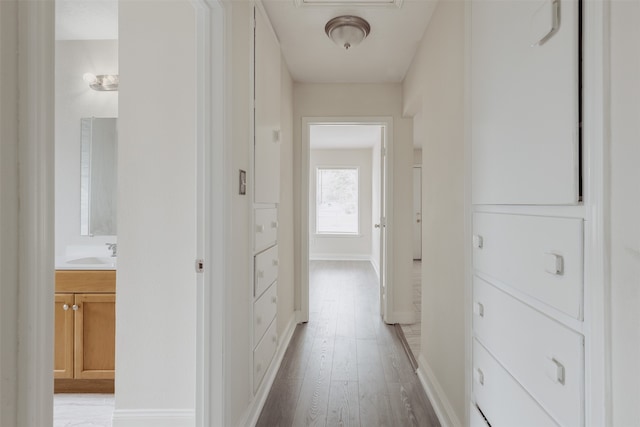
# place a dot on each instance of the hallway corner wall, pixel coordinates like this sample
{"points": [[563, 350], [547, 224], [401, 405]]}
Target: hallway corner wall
{"points": [[625, 211], [9, 213], [434, 87]]}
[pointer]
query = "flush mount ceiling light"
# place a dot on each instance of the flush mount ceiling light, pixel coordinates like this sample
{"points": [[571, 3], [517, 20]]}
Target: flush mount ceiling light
{"points": [[102, 82], [347, 31]]}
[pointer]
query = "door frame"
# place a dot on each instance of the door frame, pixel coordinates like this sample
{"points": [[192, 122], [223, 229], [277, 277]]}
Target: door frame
{"points": [[419, 167], [34, 347], [387, 269]]}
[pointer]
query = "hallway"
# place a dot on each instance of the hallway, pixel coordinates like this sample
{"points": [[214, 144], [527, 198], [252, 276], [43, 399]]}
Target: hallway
{"points": [[346, 367]]}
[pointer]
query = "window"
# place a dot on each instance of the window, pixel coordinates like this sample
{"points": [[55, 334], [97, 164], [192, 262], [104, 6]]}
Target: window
{"points": [[337, 201]]}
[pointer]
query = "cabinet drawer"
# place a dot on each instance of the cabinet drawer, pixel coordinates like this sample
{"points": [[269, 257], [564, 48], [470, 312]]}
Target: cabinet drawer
{"points": [[266, 232], [264, 311], [475, 417], [502, 400], [266, 270], [263, 354], [544, 356], [539, 256]]}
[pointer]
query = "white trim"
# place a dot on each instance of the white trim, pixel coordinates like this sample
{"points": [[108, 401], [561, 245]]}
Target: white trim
{"points": [[212, 216], [376, 265], [253, 412], [339, 257], [597, 297], [387, 122], [438, 398], [36, 221], [404, 317], [153, 418]]}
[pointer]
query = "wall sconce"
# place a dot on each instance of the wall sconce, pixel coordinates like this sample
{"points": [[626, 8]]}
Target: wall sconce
{"points": [[102, 82], [347, 31]]}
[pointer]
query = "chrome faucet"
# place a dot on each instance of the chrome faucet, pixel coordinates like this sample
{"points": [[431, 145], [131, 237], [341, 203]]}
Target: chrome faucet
{"points": [[113, 247]]}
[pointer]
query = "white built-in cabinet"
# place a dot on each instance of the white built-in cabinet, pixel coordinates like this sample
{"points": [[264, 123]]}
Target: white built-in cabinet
{"points": [[528, 287], [266, 195]]}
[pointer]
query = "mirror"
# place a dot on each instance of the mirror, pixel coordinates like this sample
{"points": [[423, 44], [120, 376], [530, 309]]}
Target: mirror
{"points": [[98, 176]]}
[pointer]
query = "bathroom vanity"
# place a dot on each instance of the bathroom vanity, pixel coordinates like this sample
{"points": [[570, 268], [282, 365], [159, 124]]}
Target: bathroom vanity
{"points": [[85, 327]]}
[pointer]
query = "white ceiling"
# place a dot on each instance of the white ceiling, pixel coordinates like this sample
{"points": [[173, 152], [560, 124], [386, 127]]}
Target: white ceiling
{"points": [[384, 56], [86, 19], [326, 137]]}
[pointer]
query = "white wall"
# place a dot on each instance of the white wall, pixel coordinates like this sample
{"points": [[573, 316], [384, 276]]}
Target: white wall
{"points": [[8, 214], [285, 207], [625, 211], [335, 100], [342, 247], [435, 83], [75, 100], [156, 307]]}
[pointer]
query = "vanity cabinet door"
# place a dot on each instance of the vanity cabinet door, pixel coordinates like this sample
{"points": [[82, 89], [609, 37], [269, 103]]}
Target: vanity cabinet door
{"points": [[63, 338], [95, 337]]}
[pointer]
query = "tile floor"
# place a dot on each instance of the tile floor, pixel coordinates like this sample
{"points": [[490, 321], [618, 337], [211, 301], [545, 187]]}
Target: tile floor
{"points": [[413, 331], [83, 410]]}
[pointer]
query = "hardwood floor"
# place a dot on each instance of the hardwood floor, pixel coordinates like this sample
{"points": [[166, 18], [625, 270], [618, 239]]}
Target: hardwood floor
{"points": [[345, 367]]}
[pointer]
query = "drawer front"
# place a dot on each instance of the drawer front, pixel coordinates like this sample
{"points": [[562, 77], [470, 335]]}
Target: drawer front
{"points": [[544, 356], [266, 232], [476, 419], [502, 400], [540, 256], [264, 311], [263, 354], [266, 270]]}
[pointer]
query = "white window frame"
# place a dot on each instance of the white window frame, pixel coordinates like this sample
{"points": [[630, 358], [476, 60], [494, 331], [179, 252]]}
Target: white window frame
{"points": [[337, 233]]}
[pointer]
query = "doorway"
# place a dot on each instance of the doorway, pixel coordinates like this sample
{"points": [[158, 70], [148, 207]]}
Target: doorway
{"points": [[346, 177]]}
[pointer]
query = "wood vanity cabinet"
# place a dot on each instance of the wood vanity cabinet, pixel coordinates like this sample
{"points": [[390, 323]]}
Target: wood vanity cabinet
{"points": [[84, 331]]}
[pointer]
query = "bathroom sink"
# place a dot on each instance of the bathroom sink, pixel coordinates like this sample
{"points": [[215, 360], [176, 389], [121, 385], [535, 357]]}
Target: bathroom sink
{"points": [[92, 261]]}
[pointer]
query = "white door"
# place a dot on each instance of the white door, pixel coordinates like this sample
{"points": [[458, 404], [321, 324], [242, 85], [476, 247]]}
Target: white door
{"points": [[417, 213], [525, 106], [267, 113], [382, 224]]}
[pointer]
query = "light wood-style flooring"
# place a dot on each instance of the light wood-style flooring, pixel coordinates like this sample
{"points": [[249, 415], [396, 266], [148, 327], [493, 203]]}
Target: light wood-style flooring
{"points": [[346, 367]]}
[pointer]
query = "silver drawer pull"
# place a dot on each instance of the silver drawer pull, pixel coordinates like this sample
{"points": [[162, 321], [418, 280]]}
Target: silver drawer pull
{"points": [[479, 376], [554, 264], [555, 370], [478, 308], [478, 241]]}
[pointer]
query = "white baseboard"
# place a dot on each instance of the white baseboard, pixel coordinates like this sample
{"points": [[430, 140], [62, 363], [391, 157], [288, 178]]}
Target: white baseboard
{"points": [[441, 405], [404, 317], [376, 266], [339, 257], [153, 418], [253, 412]]}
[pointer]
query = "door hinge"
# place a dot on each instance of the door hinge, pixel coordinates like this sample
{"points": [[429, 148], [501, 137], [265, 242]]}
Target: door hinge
{"points": [[199, 266], [384, 151]]}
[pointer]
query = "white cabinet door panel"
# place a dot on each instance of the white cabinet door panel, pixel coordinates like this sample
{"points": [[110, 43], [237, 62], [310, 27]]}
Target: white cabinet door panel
{"points": [[263, 354], [264, 311], [540, 256], [544, 356], [266, 270], [266, 232], [524, 103], [267, 112], [501, 398], [475, 418]]}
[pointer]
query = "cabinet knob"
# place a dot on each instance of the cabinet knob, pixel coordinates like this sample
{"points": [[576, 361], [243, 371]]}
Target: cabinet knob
{"points": [[554, 264], [478, 308], [274, 224], [260, 228], [478, 241], [479, 376], [275, 262], [274, 300], [555, 370], [75, 307], [65, 307]]}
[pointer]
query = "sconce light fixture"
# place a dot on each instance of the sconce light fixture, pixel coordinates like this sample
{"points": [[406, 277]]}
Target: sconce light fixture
{"points": [[102, 82], [347, 30]]}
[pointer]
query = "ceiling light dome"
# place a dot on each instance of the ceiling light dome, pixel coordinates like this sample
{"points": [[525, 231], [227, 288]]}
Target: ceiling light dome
{"points": [[347, 31]]}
